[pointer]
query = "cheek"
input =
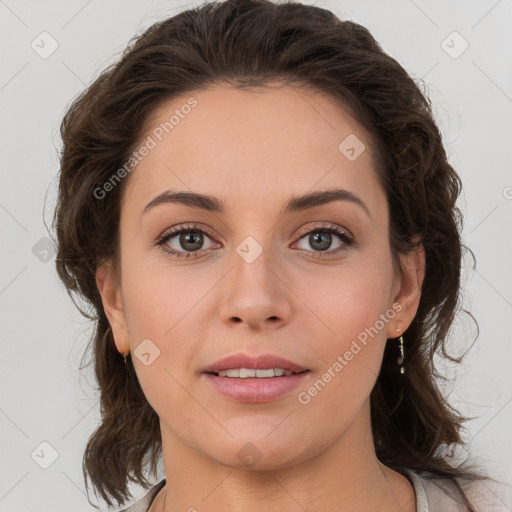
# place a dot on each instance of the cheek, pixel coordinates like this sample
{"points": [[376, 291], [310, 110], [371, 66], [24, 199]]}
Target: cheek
{"points": [[345, 302], [350, 350], [351, 311], [161, 310], [156, 295]]}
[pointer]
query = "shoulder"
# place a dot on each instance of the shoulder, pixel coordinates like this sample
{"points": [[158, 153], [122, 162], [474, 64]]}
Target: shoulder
{"points": [[435, 494], [144, 503]]}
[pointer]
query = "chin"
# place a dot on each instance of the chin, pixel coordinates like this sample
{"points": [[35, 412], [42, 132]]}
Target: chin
{"points": [[260, 453]]}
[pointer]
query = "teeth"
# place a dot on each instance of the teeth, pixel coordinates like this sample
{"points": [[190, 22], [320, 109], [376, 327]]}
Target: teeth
{"points": [[244, 373]]}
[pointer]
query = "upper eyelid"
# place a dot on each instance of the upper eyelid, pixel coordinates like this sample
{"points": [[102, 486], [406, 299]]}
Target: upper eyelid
{"points": [[329, 226], [179, 229]]}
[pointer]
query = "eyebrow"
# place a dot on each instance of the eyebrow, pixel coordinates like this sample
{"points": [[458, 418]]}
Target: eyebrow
{"points": [[295, 204]]}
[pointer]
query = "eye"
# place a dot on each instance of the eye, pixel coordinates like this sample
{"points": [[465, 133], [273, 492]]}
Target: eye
{"points": [[188, 240], [320, 239]]}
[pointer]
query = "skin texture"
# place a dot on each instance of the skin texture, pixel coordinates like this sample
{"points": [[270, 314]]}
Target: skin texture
{"points": [[254, 150]]}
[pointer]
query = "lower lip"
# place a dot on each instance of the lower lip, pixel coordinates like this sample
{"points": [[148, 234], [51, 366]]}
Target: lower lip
{"points": [[255, 390]]}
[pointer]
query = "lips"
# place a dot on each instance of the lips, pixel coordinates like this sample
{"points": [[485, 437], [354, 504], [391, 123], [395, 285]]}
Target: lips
{"points": [[255, 390], [261, 362]]}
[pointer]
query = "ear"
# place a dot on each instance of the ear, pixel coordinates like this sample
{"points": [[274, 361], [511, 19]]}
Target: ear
{"points": [[109, 287], [409, 283]]}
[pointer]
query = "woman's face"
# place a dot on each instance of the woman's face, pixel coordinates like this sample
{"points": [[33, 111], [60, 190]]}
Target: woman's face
{"points": [[259, 277]]}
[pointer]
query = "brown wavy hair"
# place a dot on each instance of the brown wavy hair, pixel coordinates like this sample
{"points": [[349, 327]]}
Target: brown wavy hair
{"points": [[250, 43]]}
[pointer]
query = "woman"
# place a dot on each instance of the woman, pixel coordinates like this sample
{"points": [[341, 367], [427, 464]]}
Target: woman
{"points": [[256, 203]]}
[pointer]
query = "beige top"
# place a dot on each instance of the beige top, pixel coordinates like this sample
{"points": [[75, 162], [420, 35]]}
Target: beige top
{"points": [[430, 496]]}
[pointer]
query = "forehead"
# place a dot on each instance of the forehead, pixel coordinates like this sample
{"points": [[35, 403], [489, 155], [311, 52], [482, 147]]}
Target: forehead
{"points": [[251, 145]]}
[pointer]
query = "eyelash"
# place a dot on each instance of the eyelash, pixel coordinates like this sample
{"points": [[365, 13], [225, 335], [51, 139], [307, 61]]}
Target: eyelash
{"points": [[347, 239]]}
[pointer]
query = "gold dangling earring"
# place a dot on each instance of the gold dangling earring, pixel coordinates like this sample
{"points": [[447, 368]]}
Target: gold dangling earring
{"points": [[400, 359]]}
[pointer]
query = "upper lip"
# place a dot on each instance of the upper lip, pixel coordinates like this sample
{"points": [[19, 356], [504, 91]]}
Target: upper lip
{"points": [[262, 362]]}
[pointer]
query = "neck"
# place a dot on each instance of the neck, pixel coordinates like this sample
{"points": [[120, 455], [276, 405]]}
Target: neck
{"points": [[345, 473]]}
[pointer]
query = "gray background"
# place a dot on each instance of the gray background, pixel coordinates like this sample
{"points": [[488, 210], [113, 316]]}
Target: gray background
{"points": [[43, 398]]}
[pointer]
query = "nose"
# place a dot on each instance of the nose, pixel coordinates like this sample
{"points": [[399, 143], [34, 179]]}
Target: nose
{"points": [[255, 293]]}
